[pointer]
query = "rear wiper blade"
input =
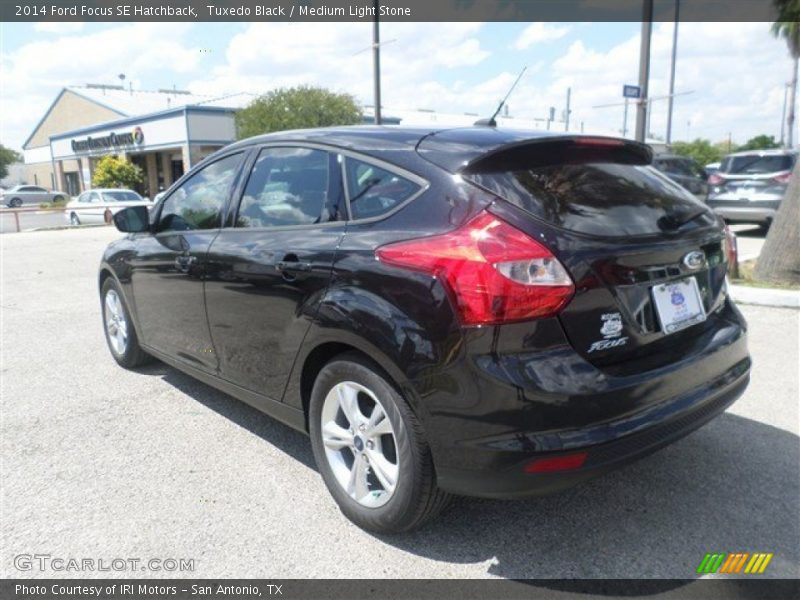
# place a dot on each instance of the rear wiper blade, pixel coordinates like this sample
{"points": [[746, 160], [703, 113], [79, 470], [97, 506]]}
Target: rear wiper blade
{"points": [[675, 221]]}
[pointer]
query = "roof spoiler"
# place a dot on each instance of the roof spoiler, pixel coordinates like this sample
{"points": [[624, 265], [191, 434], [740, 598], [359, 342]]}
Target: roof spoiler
{"points": [[568, 149]]}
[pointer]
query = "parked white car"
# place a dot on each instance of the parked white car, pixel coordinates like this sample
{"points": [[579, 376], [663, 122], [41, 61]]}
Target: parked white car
{"points": [[99, 205]]}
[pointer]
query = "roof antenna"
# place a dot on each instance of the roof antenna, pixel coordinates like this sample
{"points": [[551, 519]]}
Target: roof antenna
{"points": [[491, 122]]}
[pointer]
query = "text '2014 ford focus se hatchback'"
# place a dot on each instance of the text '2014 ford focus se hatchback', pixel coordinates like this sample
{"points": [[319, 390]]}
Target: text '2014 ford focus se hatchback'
{"points": [[467, 311]]}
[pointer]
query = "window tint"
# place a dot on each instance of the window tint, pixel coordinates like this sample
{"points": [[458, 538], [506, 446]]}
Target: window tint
{"points": [[197, 203], [754, 164], [374, 191], [604, 199], [287, 186]]}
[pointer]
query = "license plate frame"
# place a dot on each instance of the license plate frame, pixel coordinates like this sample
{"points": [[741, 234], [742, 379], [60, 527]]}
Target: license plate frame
{"points": [[678, 304]]}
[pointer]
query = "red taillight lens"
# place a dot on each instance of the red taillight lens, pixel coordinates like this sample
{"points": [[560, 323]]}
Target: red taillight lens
{"points": [[716, 179], [556, 463], [729, 246], [495, 272], [783, 178]]}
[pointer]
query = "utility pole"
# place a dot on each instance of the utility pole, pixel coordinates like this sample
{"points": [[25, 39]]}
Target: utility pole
{"points": [[642, 107], [672, 71], [376, 64], [567, 111], [625, 119]]}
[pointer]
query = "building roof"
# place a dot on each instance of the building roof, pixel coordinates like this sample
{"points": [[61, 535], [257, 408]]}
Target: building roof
{"points": [[132, 103]]}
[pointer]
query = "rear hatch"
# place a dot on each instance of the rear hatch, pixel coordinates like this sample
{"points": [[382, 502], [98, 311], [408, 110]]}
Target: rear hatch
{"points": [[646, 257], [752, 177]]}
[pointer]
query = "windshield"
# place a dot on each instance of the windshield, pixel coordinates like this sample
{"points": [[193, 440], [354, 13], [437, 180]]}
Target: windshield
{"points": [[121, 196], [754, 164]]}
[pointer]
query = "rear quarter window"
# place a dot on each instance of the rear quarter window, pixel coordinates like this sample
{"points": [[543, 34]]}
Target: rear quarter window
{"points": [[601, 199], [374, 191]]}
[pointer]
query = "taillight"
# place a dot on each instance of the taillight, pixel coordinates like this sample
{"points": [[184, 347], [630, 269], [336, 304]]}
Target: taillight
{"points": [[729, 247], [494, 272], [783, 178], [716, 179]]}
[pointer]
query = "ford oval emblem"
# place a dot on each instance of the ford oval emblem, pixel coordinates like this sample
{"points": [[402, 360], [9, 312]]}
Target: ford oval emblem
{"points": [[694, 260]]}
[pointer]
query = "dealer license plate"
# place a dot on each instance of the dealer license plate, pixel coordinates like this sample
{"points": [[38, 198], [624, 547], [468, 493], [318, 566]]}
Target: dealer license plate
{"points": [[678, 304]]}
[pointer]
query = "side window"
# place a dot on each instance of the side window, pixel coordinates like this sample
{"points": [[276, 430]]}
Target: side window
{"points": [[374, 191], [287, 186], [197, 204]]}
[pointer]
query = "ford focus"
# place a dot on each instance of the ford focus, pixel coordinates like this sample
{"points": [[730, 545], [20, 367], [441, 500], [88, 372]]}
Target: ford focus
{"points": [[465, 311]]}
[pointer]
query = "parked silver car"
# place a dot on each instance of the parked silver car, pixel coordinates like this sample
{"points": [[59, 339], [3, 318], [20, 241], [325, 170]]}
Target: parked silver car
{"points": [[29, 194], [749, 186]]}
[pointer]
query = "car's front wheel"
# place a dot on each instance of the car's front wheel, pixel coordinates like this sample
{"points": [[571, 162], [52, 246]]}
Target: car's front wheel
{"points": [[15, 202], [370, 448], [120, 333], [74, 219]]}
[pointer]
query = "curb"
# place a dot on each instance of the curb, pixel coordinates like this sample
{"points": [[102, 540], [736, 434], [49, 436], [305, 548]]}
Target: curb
{"points": [[765, 296]]}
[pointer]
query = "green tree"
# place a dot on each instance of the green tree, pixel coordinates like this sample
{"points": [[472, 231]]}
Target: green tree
{"points": [[760, 142], [7, 157], [115, 172], [788, 27], [703, 151], [297, 108]]}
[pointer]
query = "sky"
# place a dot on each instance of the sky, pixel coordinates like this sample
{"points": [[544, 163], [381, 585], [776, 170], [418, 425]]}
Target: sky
{"points": [[735, 73]]}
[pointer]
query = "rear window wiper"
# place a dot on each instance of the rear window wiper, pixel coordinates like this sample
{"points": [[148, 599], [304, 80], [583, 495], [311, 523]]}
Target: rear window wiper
{"points": [[676, 221]]}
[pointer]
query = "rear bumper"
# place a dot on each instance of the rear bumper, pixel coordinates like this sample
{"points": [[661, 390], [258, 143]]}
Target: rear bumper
{"points": [[503, 409], [761, 211], [660, 431]]}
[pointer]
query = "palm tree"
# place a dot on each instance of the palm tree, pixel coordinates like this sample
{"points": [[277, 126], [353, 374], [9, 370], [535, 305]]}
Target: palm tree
{"points": [[788, 28]]}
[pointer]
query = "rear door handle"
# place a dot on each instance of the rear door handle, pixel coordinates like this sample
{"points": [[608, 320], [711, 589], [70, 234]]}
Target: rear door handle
{"points": [[293, 265], [184, 263]]}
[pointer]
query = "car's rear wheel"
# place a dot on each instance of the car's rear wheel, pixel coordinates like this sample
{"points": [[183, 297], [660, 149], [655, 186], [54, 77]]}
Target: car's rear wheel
{"points": [[370, 448], [15, 203], [58, 198], [74, 219], [120, 333]]}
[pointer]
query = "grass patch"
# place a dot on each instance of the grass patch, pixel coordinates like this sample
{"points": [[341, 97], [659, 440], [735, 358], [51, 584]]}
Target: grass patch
{"points": [[746, 270]]}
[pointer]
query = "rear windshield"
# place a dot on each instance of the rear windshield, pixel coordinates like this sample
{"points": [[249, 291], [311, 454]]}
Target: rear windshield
{"points": [[602, 199], [755, 164]]}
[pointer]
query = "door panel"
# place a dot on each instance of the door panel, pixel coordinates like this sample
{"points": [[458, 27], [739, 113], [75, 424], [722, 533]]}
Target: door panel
{"points": [[167, 276], [266, 275], [169, 267]]}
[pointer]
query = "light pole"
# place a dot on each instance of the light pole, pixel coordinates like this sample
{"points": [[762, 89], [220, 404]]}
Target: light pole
{"points": [[672, 71], [644, 70], [376, 64], [783, 115]]}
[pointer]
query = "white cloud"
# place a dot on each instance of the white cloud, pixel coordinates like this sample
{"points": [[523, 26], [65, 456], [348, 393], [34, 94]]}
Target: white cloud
{"points": [[35, 72], [536, 33]]}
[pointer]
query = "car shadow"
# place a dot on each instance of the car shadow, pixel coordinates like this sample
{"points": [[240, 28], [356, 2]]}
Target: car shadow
{"points": [[731, 486]]}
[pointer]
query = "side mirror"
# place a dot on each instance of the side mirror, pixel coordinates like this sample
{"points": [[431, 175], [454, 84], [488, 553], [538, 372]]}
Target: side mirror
{"points": [[133, 219]]}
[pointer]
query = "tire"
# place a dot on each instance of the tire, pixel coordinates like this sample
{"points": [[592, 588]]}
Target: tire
{"points": [[58, 198], [121, 337], [74, 219], [15, 203], [415, 498]]}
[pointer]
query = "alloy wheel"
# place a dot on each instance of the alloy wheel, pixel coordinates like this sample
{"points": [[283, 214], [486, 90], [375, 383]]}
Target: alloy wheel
{"points": [[116, 324], [360, 444]]}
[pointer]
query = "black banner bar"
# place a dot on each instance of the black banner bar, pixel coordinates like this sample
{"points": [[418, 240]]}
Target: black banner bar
{"points": [[356, 589], [388, 10]]}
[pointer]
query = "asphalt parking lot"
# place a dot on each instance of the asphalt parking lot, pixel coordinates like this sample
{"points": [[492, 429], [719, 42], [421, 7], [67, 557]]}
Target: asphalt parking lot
{"points": [[101, 462]]}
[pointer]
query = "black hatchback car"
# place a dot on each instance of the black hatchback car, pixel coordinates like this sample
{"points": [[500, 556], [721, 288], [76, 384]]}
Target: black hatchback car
{"points": [[465, 311]]}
